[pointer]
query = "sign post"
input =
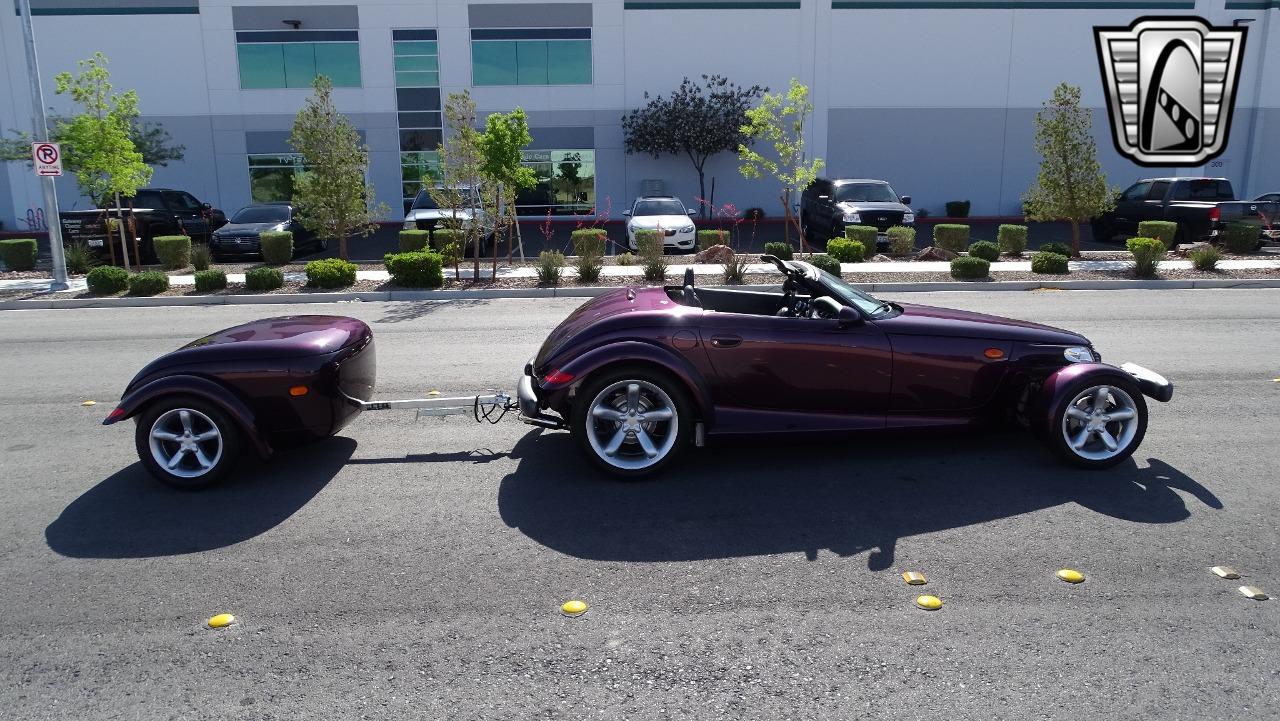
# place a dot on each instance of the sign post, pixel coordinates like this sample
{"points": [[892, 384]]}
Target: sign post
{"points": [[40, 153]]}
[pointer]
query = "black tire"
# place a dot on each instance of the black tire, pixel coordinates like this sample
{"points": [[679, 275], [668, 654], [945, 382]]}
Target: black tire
{"points": [[1102, 230], [629, 462], [190, 473], [1127, 439]]}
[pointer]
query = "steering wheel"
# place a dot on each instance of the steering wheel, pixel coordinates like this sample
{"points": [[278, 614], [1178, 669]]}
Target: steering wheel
{"points": [[824, 307], [788, 309]]}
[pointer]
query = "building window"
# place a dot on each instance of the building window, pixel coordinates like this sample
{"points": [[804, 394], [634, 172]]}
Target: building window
{"points": [[566, 182], [539, 56], [271, 177], [293, 59], [417, 79]]}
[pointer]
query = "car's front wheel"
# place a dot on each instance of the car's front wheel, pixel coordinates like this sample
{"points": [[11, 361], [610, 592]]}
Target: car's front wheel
{"points": [[1098, 423], [632, 422], [186, 442]]}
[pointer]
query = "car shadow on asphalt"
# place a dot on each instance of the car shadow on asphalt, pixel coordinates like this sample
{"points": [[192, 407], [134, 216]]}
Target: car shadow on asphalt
{"points": [[131, 515], [746, 498]]}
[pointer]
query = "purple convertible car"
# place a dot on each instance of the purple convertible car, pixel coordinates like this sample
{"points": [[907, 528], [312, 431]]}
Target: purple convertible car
{"points": [[639, 375]]}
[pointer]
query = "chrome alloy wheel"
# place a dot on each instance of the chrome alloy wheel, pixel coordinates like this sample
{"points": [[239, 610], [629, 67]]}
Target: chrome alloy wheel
{"points": [[1100, 423], [185, 443], [632, 424]]}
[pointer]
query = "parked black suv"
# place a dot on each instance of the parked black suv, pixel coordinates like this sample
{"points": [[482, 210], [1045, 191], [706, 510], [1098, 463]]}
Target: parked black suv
{"points": [[828, 205]]}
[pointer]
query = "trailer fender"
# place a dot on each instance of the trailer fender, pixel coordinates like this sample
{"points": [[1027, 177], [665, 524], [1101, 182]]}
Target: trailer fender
{"points": [[183, 384]]}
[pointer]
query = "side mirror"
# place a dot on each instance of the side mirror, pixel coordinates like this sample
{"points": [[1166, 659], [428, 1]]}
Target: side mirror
{"points": [[906, 200], [206, 206], [692, 213], [847, 317], [626, 213]]}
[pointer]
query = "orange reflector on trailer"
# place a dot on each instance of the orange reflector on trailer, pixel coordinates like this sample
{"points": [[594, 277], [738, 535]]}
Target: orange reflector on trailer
{"points": [[298, 391], [993, 353]]}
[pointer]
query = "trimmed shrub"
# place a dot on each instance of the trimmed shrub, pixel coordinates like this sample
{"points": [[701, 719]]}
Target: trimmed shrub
{"points": [[262, 278], [1012, 239], [827, 263], [951, 236], [626, 258], [969, 268], [550, 266], [277, 247], [1052, 263], [1147, 253], [589, 241], [957, 209], [107, 280], [331, 273], [173, 251], [415, 269], [1205, 258], [708, 238], [414, 240], [864, 234], [735, 270], [18, 253], [845, 250], [1240, 238], [1055, 247], [986, 250], [201, 256], [649, 243], [441, 237], [148, 282], [779, 249], [79, 258], [209, 280], [902, 240], [1165, 231]]}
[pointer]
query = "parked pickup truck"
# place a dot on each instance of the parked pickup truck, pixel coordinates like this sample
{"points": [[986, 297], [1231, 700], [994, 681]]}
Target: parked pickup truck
{"points": [[828, 205], [1200, 206], [153, 212]]}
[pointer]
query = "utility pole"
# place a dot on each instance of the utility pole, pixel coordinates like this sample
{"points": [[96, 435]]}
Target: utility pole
{"points": [[40, 133]]}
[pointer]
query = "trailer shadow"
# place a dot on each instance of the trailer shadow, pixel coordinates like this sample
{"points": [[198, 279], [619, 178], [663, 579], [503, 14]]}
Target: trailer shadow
{"points": [[131, 515], [848, 497]]}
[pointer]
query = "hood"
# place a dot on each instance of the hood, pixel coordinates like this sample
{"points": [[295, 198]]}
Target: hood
{"points": [[666, 222], [850, 206], [929, 320], [437, 214], [596, 314], [248, 228]]}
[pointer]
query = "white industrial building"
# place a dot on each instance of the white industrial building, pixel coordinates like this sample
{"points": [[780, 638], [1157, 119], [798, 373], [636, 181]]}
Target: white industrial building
{"points": [[936, 96]]}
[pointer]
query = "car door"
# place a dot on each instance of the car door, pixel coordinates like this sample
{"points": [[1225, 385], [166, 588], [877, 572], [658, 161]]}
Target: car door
{"points": [[187, 212], [1129, 207], [795, 374], [1153, 208]]}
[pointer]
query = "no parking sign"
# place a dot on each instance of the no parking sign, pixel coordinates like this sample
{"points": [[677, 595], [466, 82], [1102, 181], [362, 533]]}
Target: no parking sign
{"points": [[47, 158]]}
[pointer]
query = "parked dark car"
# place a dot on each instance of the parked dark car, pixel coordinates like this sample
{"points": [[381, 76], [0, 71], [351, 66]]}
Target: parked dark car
{"points": [[242, 235], [269, 385], [150, 213], [1200, 206], [827, 206], [639, 374]]}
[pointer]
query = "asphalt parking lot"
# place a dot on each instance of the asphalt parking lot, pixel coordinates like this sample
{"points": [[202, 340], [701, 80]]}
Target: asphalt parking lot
{"points": [[414, 569]]}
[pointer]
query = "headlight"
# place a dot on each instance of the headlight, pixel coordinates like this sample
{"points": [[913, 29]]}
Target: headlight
{"points": [[1079, 354], [908, 217], [852, 218], [409, 225], [686, 229]]}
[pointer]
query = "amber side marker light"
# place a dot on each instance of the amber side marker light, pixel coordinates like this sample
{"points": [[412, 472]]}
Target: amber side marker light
{"points": [[299, 391], [993, 353]]}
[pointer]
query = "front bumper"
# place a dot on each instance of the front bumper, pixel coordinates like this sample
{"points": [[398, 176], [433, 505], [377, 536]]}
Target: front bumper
{"points": [[1151, 384]]}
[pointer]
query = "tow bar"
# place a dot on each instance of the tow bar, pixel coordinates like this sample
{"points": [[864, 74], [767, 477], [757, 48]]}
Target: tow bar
{"points": [[489, 408]]}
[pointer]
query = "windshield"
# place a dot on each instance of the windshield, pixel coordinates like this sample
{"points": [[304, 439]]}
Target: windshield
{"points": [[842, 290], [866, 193], [424, 201], [261, 214], [659, 207]]}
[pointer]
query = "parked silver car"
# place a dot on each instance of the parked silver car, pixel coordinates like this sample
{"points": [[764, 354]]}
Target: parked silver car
{"points": [[664, 213], [426, 214]]}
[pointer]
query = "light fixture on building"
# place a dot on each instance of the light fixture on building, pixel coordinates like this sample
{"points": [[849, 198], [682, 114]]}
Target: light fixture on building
{"points": [[295, 24], [1241, 21]]}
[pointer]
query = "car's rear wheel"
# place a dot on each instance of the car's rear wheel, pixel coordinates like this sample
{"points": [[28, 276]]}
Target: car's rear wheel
{"points": [[632, 422], [1098, 424], [186, 442]]}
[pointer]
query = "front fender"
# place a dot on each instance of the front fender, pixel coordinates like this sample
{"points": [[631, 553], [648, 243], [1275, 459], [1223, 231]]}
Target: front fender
{"points": [[203, 388], [1057, 384], [637, 351]]}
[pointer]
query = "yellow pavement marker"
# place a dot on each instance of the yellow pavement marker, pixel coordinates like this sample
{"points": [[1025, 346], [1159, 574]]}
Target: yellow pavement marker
{"points": [[1070, 575], [574, 608], [914, 578], [221, 620], [433, 393], [1225, 572], [89, 403], [929, 603], [1254, 592]]}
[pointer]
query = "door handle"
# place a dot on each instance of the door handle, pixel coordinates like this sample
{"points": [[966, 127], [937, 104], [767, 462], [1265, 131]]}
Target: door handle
{"points": [[725, 341]]}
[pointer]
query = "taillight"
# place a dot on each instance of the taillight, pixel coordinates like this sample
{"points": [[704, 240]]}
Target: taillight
{"points": [[113, 416], [557, 378], [1215, 214]]}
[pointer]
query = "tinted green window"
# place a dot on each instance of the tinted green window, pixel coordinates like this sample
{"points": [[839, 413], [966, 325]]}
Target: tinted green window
{"points": [[531, 62], [261, 65], [416, 47], [341, 62], [417, 62], [299, 64], [417, 80], [493, 63], [569, 62]]}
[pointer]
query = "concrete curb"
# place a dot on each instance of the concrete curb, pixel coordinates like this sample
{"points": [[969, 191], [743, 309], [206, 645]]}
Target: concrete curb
{"points": [[592, 291]]}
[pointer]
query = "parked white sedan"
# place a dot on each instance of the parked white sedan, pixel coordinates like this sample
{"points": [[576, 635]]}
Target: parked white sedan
{"points": [[662, 213]]}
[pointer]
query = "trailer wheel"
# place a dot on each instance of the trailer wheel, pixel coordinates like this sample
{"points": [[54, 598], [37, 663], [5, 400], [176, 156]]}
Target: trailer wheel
{"points": [[632, 422], [186, 442]]}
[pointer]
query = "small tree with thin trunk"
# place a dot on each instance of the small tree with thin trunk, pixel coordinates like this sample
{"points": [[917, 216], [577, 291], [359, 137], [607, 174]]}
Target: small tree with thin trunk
{"points": [[1071, 185], [505, 136], [779, 120], [461, 172], [333, 195], [698, 121]]}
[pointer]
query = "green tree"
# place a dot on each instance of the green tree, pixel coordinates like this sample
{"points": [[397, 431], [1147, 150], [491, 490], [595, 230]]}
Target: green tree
{"points": [[505, 136], [1071, 185], [461, 171], [95, 138], [151, 139], [334, 196], [698, 121], [779, 120]]}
